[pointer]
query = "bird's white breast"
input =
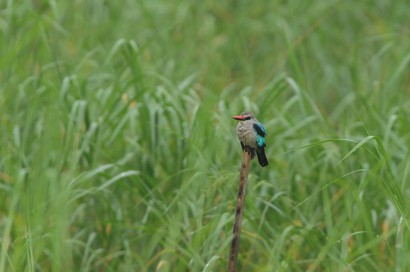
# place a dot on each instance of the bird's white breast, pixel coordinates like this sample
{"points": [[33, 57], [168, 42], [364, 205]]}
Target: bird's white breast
{"points": [[246, 134]]}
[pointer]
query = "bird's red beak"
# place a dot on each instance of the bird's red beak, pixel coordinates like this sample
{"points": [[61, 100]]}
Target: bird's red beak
{"points": [[238, 117]]}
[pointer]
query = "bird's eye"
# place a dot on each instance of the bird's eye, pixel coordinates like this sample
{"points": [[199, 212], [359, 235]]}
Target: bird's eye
{"points": [[247, 118]]}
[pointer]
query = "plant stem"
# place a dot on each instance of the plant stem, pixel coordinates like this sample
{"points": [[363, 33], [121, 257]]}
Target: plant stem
{"points": [[233, 255]]}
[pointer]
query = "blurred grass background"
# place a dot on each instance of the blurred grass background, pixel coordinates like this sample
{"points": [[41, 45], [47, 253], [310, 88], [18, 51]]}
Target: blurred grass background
{"points": [[118, 151]]}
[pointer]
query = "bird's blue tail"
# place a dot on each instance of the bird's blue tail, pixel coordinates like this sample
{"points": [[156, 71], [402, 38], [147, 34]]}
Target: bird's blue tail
{"points": [[263, 161]]}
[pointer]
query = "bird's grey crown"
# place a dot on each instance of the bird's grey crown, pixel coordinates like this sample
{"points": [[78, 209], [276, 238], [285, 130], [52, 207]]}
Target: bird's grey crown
{"points": [[248, 114]]}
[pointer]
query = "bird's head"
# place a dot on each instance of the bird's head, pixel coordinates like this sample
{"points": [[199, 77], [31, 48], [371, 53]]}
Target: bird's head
{"points": [[245, 116]]}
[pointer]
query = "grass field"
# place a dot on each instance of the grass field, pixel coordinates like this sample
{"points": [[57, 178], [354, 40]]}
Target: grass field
{"points": [[118, 151]]}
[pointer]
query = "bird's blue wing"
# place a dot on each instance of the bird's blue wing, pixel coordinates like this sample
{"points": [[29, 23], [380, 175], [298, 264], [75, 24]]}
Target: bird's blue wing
{"points": [[260, 134], [260, 129]]}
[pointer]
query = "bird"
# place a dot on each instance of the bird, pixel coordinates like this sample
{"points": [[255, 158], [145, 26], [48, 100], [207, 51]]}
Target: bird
{"points": [[251, 134]]}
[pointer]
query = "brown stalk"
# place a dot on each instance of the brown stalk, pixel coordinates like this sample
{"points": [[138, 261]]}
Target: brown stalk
{"points": [[233, 255]]}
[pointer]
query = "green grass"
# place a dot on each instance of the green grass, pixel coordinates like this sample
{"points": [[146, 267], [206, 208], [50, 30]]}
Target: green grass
{"points": [[118, 151]]}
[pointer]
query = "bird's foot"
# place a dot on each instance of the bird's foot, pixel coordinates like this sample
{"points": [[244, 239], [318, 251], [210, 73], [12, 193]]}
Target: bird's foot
{"points": [[249, 150]]}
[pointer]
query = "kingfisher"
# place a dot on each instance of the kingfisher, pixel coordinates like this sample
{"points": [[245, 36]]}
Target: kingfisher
{"points": [[251, 134]]}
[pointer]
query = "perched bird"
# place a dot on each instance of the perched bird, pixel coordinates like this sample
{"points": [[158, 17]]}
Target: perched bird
{"points": [[251, 134]]}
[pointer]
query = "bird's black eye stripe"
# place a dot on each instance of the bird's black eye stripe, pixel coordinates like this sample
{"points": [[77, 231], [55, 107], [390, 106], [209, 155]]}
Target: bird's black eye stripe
{"points": [[247, 118]]}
